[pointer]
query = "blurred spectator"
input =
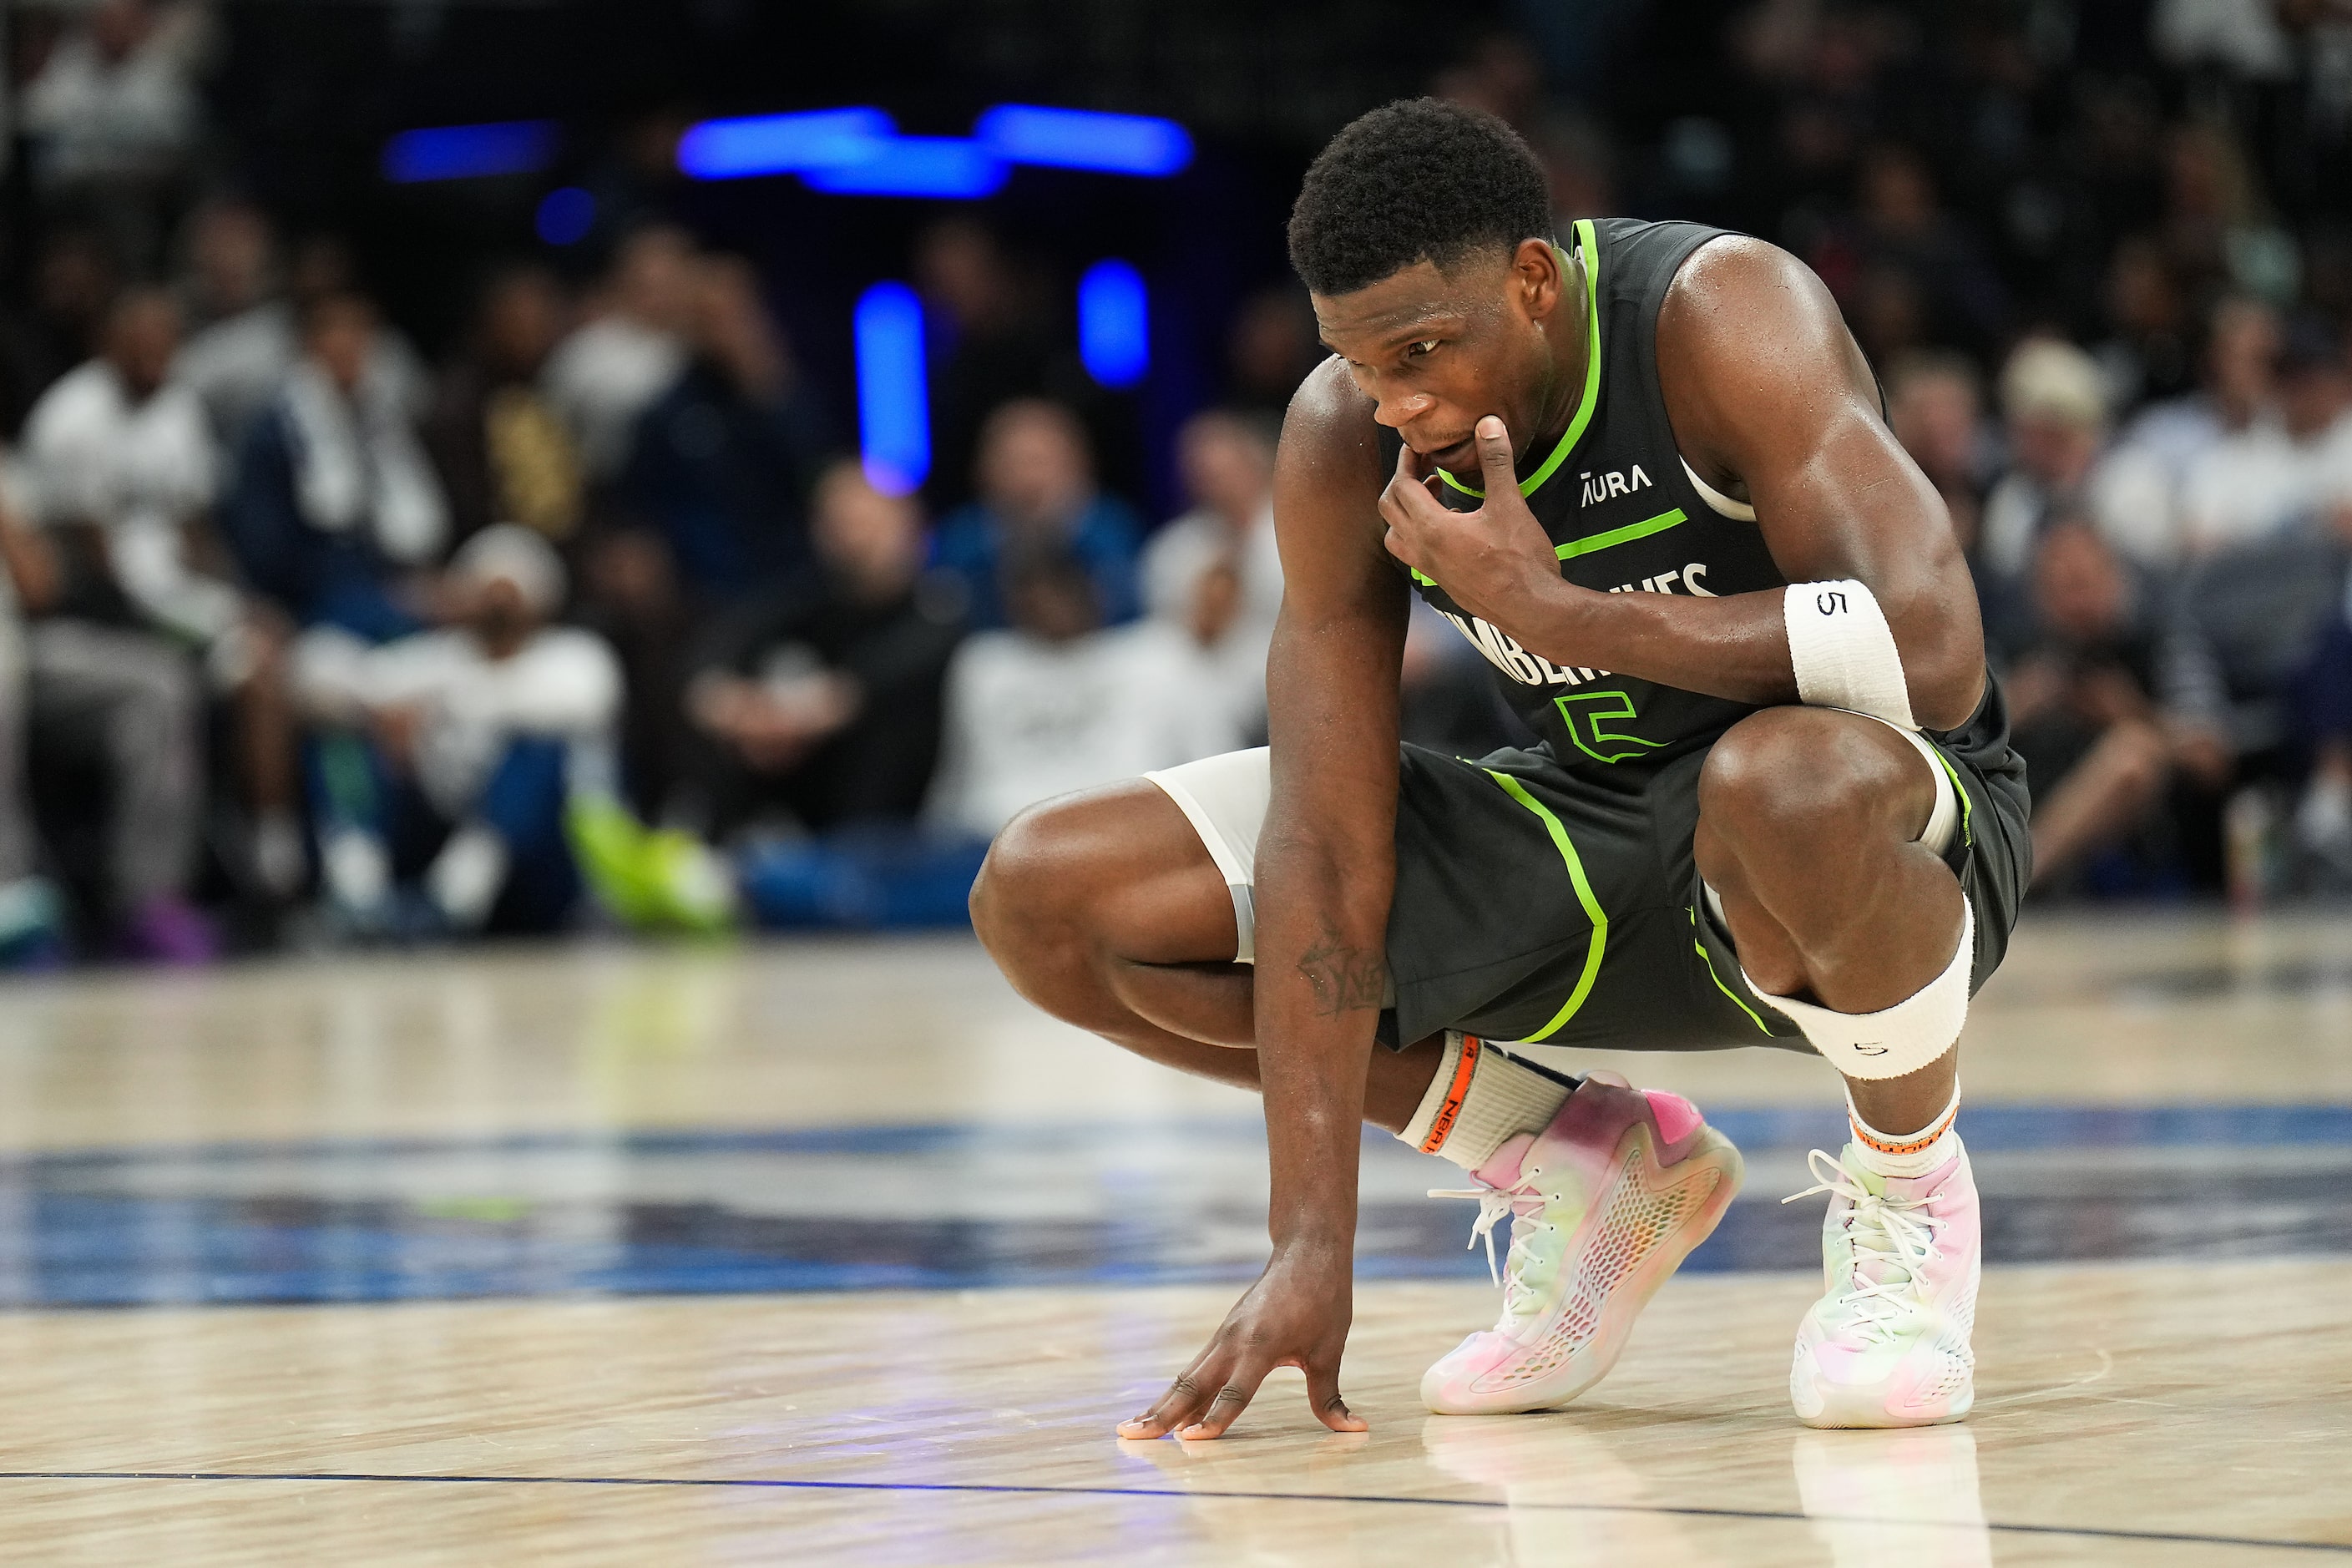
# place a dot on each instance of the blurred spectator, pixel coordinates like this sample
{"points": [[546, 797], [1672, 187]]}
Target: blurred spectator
{"points": [[1227, 463], [722, 461], [2264, 580], [460, 751], [1907, 271], [631, 349], [1055, 703], [75, 279], [821, 699], [1270, 349], [996, 341], [1579, 166], [2274, 474], [1036, 483], [2140, 485], [1500, 73], [114, 115], [231, 261], [2106, 706], [504, 455], [333, 499], [2218, 228], [116, 712], [1934, 404], [2145, 354], [2055, 402], [116, 449], [30, 914], [242, 360]]}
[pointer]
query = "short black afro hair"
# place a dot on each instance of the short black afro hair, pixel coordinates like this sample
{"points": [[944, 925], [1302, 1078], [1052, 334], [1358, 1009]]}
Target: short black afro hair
{"points": [[1417, 179]]}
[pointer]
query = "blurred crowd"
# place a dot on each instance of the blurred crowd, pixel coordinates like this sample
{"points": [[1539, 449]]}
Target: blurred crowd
{"points": [[593, 615]]}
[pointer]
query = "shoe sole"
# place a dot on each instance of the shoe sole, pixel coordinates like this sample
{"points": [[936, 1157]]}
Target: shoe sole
{"points": [[1634, 1291], [1857, 1410]]}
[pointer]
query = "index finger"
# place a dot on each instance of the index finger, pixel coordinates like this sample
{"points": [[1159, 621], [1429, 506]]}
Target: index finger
{"points": [[1184, 1396], [1229, 1402]]}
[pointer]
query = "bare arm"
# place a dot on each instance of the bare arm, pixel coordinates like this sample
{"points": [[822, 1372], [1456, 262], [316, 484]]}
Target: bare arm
{"points": [[1326, 869], [1765, 388], [1327, 856]]}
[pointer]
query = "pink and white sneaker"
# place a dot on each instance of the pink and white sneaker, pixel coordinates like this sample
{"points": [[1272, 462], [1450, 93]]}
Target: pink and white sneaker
{"points": [[1902, 1256], [1604, 1204]]}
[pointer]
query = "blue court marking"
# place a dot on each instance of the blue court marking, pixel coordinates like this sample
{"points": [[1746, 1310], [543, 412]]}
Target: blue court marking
{"points": [[2091, 1532], [1754, 1128], [1079, 1203]]}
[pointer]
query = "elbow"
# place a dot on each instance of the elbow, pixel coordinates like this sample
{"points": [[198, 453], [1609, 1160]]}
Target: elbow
{"points": [[1945, 678], [1940, 635], [1948, 700]]}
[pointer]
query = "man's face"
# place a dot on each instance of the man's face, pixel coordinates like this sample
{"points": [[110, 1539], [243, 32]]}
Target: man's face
{"points": [[341, 338], [141, 342], [501, 614], [2080, 588], [1224, 468], [876, 541], [1032, 468], [1437, 351]]}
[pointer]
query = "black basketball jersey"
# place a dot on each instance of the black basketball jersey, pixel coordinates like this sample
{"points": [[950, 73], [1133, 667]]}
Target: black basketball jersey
{"points": [[1625, 516]]}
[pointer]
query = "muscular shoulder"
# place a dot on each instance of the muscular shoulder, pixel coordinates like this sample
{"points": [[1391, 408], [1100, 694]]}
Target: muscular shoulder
{"points": [[1329, 418], [1750, 346], [1329, 473]]}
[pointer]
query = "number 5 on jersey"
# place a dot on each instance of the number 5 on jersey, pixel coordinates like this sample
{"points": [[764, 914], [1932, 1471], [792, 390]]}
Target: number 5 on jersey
{"points": [[1588, 716]]}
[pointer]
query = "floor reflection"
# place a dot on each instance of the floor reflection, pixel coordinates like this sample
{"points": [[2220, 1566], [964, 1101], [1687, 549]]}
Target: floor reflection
{"points": [[1909, 1497]]}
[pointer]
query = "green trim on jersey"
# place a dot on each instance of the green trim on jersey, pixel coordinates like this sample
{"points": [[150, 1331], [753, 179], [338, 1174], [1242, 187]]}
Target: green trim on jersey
{"points": [[1593, 910], [1968, 828], [1625, 535], [1588, 246], [1593, 542]]}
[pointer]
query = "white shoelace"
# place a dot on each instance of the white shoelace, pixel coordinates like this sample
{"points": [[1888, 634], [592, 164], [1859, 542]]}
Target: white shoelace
{"points": [[1494, 1204], [1883, 1230]]}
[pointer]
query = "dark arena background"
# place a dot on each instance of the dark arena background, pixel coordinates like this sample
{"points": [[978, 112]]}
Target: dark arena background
{"points": [[540, 541]]}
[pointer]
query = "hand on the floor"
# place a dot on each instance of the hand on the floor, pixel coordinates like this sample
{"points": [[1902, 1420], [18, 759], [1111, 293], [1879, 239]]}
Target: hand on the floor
{"points": [[1296, 1315]]}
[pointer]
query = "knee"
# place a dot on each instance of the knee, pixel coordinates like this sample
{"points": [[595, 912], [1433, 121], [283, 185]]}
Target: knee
{"points": [[1024, 886], [1795, 779]]}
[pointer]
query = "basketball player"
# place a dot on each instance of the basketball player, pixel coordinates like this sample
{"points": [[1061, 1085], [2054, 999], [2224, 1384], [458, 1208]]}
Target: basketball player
{"points": [[1645, 471]]}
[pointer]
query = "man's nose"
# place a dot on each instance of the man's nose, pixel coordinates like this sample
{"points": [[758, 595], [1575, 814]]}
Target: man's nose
{"points": [[1399, 411]]}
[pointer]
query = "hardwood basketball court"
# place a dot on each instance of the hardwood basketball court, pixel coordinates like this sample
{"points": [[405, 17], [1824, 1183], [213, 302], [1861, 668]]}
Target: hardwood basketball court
{"points": [[839, 1253]]}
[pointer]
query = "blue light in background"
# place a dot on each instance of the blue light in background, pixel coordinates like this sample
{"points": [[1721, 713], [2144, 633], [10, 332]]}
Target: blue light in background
{"points": [[783, 143], [1081, 139], [943, 166], [894, 410], [1114, 324], [467, 152], [566, 216]]}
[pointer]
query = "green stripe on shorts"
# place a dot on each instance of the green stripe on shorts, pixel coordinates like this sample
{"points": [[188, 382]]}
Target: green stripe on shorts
{"points": [[1592, 911]]}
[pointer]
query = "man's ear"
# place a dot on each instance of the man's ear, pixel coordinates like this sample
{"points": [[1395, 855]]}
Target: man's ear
{"points": [[1535, 263]]}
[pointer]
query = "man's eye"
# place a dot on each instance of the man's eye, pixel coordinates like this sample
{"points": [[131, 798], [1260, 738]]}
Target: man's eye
{"points": [[1426, 345]]}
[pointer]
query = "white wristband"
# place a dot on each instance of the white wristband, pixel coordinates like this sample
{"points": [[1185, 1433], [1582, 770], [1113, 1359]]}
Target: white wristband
{"points": [[1844, 651]]}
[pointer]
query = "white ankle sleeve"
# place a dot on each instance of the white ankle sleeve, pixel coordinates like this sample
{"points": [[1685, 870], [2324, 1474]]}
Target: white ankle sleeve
{"points": [[1904, 1037]]}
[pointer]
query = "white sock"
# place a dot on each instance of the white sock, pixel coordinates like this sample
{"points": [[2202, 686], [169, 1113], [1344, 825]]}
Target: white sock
{"points": [[464, 878], [1907, 1153], [1479, 1100]]}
